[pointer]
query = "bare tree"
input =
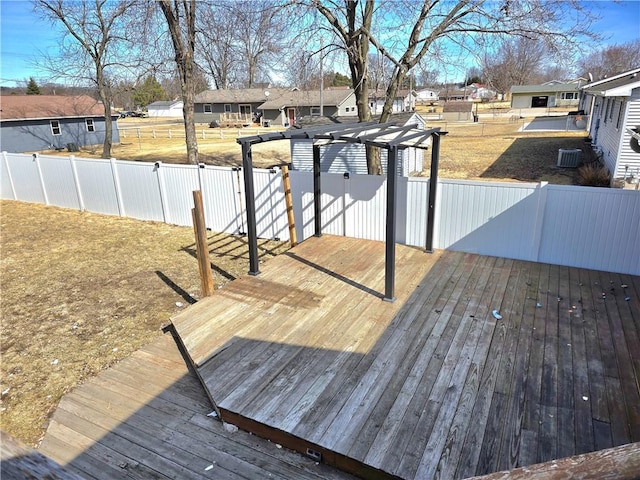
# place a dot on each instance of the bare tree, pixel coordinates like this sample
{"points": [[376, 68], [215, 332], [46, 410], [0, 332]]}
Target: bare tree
{"points": [[181, 21], [97, 29], [611, 60], [516, 61], [459, 22], [217, 45]]}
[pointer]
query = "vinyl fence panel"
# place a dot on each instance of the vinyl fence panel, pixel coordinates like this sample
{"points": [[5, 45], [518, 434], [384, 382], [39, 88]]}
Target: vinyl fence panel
{"points": [[271, 217], [140, 190], [223, 199], [302, 195], [6, 184], [365, 206], [25, 178], [98, 186], [415, 226], [59, 182], [595, 228], [496, 219], [177, 183]]}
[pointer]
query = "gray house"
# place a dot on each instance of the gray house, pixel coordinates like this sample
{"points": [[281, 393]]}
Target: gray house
{"points": [[42, 122], [286, 109], [242, 104], [351, 157], [613, 105], [546, 95]]}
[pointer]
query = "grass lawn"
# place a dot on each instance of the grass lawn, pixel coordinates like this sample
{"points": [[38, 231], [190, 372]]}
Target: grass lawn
{"points": [[493, 149], [81, 291]]}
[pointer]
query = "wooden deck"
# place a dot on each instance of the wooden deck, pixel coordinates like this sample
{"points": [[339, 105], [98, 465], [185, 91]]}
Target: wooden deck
{"points": [[433, 385], [146, 418]]}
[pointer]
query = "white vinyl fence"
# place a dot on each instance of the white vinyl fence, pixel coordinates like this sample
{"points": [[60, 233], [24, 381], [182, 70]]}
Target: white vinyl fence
{"points": [[597, 228]]}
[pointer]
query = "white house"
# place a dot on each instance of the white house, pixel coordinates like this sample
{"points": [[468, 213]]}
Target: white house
{"points": [[426, 96], [165, 109], [405, 101], [613, 105]]}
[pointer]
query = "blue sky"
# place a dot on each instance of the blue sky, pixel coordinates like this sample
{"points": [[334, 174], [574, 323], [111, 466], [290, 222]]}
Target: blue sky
{"points": [[23, 35]]}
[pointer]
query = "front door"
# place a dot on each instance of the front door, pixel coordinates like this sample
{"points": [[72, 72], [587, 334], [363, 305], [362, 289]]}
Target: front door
{"points": [[291, 116]]}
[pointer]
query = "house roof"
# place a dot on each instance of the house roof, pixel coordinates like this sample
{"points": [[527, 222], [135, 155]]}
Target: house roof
{"points": [[244, 95], [169, 103], [617, 86], [455, 107], [315, 121], [35, 107], [306, 98], [545, 88]]}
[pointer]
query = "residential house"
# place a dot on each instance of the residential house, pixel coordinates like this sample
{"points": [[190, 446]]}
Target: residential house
{"points": [[351, 157], [426, 96], [450, 94], [404, 101], [40, 122], [286, 109], [613, 105], [166, 109], [547, 95], [242, 103]]}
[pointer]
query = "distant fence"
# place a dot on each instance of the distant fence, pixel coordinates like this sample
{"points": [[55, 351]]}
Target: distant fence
{"points": [[596, 228], [128, 133]]}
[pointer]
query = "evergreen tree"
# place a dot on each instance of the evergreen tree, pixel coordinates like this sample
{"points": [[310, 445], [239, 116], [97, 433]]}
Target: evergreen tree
{"points": [[148, 92], [32, 87]]}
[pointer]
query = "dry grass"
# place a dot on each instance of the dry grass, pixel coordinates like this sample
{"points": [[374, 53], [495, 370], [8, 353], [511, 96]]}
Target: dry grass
{"points": [[81, 291], [493, 149]]}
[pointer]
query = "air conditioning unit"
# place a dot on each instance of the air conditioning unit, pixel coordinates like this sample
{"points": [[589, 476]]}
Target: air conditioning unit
{"points": [[569, 157]]}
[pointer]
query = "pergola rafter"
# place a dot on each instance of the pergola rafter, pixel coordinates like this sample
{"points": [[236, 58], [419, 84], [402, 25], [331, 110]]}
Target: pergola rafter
{"points": [[388, 136]]}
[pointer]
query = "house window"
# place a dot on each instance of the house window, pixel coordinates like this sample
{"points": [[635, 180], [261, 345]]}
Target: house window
{"points": [[227, 108], [245, 109], [55, 127], [569, 95], [207, 108], [620, 113], [315, 111], [89, 123], [606, 110], [613, 107]]}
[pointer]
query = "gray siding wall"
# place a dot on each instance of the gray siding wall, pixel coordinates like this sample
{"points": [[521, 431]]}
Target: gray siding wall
{"points": [[627, 156], [218, 108], [341, 158], [34, 135]]}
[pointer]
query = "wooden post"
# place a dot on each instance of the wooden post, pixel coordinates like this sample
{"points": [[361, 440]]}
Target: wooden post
{"points": [[202, 246], [286, 181]]}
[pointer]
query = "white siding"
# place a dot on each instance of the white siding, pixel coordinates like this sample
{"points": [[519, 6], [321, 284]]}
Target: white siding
{"points": [[632, 120]]}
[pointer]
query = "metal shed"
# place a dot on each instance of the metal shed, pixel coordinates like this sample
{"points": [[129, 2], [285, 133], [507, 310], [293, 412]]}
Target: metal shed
{"points": [[387, 136]]}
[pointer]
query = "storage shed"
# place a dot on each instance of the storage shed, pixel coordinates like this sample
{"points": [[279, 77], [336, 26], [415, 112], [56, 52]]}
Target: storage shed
{"points": [[165, 109], [351, 157]]}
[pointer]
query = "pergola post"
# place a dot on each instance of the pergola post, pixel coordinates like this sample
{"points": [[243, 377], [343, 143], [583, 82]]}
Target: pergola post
{"points": [[249, 191], [433, 185], [390, 247], [317, 207]]}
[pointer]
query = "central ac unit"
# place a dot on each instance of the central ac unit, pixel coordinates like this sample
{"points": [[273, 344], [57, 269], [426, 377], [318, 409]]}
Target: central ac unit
{"points": [[569, 157]]}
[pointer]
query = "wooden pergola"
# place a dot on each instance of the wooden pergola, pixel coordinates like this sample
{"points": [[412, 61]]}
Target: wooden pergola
{"points": [[388, 136]]}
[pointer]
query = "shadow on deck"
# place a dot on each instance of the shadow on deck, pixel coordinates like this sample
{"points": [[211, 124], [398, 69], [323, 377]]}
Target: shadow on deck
{"points": [[434, 385]]}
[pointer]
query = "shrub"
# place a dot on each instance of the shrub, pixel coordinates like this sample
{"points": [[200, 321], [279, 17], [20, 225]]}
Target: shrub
{"points": [[594, 175]]}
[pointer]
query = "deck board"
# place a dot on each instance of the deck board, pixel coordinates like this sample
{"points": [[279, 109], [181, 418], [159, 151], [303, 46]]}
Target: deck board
{"points": [[430, 386], [146, 417]]}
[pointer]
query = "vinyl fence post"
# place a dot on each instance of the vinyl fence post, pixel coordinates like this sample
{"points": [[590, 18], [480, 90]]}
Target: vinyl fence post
{"points": [[76, 181], [538, 220], [5, 158], [36, 158], [116, 186], [157, 167]]}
